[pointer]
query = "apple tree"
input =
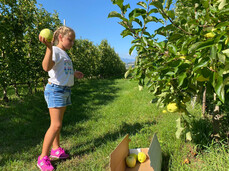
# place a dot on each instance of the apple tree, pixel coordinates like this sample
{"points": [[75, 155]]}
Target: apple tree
{"points": [[192, 58], [20, 52], [110, 62]]}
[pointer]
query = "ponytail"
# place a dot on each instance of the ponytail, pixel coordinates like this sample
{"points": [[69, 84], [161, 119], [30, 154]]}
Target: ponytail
{"points": [[63, 30]]}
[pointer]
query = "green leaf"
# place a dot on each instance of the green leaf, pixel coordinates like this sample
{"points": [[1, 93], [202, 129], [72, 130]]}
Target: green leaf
{"points": [[213, 52], [145, 41], [143, 4], [150, 19], [172, 48], [221, 57], [205, 3], [202, 63], [157, 4], [175, 36], [222, 24], [127, 73], [174, 64], [125, 33], [206, 44], [114, 14], [218, 37], [201, 45], [154, 10], [162, 1], [168, 3], [136, 12], [224, 12], [226, 52], [148, 34], [181, 78], [187, 42], [138, 21], [171, 14], [219, 89], [222, 4], [118, 2], [125, 7], [194, 46], [131, 49]]}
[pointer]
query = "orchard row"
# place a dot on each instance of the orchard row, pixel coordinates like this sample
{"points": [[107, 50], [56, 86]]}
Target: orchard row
{"points": [[21, 53]]}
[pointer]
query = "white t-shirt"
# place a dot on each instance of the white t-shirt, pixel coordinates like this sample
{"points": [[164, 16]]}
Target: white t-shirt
{"points": [[62, 72]]}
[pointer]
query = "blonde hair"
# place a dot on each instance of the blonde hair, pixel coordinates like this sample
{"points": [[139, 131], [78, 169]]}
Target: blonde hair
{"points": [[63, 30]]}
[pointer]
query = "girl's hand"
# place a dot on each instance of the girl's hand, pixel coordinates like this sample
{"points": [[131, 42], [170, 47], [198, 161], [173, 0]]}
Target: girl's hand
{"points": [[78, 74], [43, 40]]}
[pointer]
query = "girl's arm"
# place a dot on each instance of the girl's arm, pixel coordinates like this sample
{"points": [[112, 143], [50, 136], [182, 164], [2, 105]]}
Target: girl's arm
{"points": [[47, 62]]}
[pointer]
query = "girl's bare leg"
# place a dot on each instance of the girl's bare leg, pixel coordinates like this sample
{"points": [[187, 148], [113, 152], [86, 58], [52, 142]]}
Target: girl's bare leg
{"points": [[56, 115], [56, 142]]}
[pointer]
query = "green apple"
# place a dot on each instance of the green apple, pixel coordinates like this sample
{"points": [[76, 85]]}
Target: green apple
{"points": [[134, 155], [141, 157], [130, 161], [47, 34]]}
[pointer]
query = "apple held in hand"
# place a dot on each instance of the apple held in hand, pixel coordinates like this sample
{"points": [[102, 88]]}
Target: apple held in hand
{"points": [[130, 161], [47, 34]]}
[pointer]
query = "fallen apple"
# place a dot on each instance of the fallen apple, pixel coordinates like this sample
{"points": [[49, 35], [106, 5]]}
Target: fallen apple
{"points": [[164, 111], [47, 34]]}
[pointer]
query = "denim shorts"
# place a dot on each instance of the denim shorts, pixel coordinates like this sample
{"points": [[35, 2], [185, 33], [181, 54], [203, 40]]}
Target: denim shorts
{"points": [[57, 96]]}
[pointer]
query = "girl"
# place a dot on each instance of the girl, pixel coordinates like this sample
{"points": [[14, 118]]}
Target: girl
{"points": [[57, 91]]}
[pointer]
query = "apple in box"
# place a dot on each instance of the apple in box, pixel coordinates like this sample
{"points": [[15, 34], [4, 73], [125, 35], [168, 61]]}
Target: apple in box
{"points": [[150, 158]]}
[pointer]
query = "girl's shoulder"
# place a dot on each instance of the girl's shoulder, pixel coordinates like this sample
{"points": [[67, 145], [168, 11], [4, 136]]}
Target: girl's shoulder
{"points": [[57, 49], [59, 52]]}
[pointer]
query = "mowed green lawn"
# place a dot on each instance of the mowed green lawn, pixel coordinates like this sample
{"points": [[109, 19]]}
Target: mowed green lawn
{"points": [[103, 112]]}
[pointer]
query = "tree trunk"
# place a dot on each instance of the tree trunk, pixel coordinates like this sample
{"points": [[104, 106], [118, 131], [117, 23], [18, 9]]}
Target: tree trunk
{"points": [[16, 90], [204, 102], [193, 101], [30, 87], [35, 86], [216, 121], [5, 98]]}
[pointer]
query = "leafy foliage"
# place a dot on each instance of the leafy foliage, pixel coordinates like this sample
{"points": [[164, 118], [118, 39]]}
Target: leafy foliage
{"points": [[193, 55], [96, 61], [20, 52]]}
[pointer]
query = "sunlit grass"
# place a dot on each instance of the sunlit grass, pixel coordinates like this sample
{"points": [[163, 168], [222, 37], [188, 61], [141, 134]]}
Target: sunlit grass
{"points": [[103, 112]]}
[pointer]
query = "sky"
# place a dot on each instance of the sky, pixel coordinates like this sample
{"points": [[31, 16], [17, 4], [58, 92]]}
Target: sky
{"points": [[89, 19]]}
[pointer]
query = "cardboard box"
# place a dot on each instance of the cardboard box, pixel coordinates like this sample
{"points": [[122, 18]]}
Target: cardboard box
{"points": [[152, 163]]}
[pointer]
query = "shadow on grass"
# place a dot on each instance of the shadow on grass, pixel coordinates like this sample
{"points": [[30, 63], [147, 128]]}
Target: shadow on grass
{"points": [[201, 130], [23, 123], [165, 161], [124, 129]]}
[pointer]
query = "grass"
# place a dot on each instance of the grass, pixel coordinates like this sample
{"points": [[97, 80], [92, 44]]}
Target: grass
{"points": [[103, 112]]}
